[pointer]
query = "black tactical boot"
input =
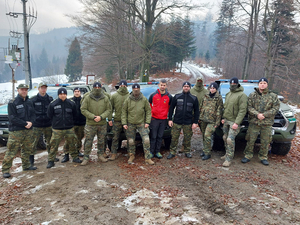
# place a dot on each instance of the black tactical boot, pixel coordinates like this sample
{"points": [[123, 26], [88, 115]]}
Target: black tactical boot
{"points": [[56, 159], [77, 160], [6, 175], [66, 158], [206, 157], [50, 164], [31, 160], [30, 168], [80, 154]]}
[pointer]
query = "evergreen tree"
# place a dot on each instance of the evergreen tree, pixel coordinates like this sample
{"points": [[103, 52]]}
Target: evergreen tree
{"points": [[74, 62], [42, 63], [207, 57]]}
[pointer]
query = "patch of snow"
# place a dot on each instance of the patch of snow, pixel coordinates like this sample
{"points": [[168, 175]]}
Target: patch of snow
{"points": [[101, 183], [295, 108], [38, 187], [46, 223], [82, 192]]}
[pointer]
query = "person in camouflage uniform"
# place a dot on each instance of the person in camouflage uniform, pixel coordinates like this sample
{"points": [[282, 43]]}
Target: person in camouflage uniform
{"points": [[42, 124], [96, 108], [136, 115], [21, 117], [210, 117], [199, 91], [117, 101], [235, 109], [186, 118], [79, 123], [62, 112], [263, 105]]}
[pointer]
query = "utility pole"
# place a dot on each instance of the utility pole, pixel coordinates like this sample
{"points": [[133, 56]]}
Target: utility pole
{"points": [[28, 21]]}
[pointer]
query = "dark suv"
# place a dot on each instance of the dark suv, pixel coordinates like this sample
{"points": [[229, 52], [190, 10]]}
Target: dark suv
{"points": [[284, 127]]}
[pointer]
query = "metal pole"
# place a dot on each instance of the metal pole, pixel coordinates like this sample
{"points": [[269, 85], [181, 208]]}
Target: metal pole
{"points": [[13, 80], [28, 80]]}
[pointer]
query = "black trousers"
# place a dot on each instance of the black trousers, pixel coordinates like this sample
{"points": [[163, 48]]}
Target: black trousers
{"points": [[157, 128]]}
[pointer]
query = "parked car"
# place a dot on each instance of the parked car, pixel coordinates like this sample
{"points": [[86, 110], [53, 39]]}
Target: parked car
{"points": [[284, 127], [147, 88]]}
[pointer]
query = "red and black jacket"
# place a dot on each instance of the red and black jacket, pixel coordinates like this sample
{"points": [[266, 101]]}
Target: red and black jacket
{"points": [[160, 104]]}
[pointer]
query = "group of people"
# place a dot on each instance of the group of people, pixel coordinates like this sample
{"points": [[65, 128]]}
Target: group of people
{"points": [[87, 115]]}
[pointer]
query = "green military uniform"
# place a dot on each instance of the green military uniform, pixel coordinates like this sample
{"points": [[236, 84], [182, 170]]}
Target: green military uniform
{"points": [[95, 105], [136, 113], [199, 91], [210, 116], [117, 101], [235, 109], [268, 104]]}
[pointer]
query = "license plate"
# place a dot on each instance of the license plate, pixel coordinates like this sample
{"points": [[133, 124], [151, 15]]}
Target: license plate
{"points": [[1, 132]]}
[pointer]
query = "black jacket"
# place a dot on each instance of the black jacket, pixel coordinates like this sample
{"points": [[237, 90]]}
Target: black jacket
{"points": [[79, 119], [187, 109], [40, 105], [20, 111], [62, 114]]}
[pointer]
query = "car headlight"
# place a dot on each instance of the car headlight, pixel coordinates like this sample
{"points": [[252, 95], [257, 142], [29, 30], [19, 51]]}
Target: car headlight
{"points": [[288, 114]]}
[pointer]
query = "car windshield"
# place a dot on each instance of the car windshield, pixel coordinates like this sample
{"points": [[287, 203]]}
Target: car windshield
{"points": [[50, 91], [146, 90], [248, 88]]}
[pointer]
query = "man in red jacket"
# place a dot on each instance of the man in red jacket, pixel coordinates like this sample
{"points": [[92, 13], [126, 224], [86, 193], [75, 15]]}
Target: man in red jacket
{"points": [[160, 102]]}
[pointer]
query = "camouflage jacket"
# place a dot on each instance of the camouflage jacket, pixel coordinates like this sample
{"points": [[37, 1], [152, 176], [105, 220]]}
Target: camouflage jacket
{"points": [[266, 103], [235, 106], [212, 109], [117, 100], [136, 110]]}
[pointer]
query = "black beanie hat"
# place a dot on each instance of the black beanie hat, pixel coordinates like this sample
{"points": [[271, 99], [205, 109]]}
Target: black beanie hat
{"points": [[263, 79], [123, 82], [186, 83], [62, 91], [215, 85], [97, 84], [135, 85], [234, 80], [76, 89]]}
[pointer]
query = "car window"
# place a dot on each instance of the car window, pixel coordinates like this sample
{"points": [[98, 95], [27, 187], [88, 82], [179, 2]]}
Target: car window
{"points": [[146, 90], [248, 89], [50, 91]]}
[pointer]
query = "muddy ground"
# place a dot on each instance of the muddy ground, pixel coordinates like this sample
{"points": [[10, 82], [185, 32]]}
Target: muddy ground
{"points": [[176, 191]]}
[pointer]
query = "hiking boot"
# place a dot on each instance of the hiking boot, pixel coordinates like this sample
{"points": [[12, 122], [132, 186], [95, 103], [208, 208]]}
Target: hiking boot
{"points": [[245, 160], [31, 160], [30, 168], [112, 157], [84, 162], [77, 160], [56, 160], [202, 154], [6, 175], [50, 164], [206, 157], [170, 156], [131, 158], [151, 155], [66, 158], [102, 158], [105, 155], [149, 161], [223, 157], [226, 163], [80, 154], [158, 155], [265, 162], [188, 155]]}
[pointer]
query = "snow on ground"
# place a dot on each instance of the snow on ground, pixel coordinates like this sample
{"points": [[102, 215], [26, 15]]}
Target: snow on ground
{"points": [[295, 108], [195, 70]]}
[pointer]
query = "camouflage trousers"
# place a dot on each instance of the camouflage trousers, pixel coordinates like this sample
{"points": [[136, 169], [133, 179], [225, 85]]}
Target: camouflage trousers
{"points": [[79, 133], [116, 129], [37, 132], [90, 132], [131, 134], [265, 139], [187, 132], [207, 130], [16, 140], [229, 139], [57, 136]]}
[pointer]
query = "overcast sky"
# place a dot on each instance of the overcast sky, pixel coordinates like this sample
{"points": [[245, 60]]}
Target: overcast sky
{"points": [[51, 14]]}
